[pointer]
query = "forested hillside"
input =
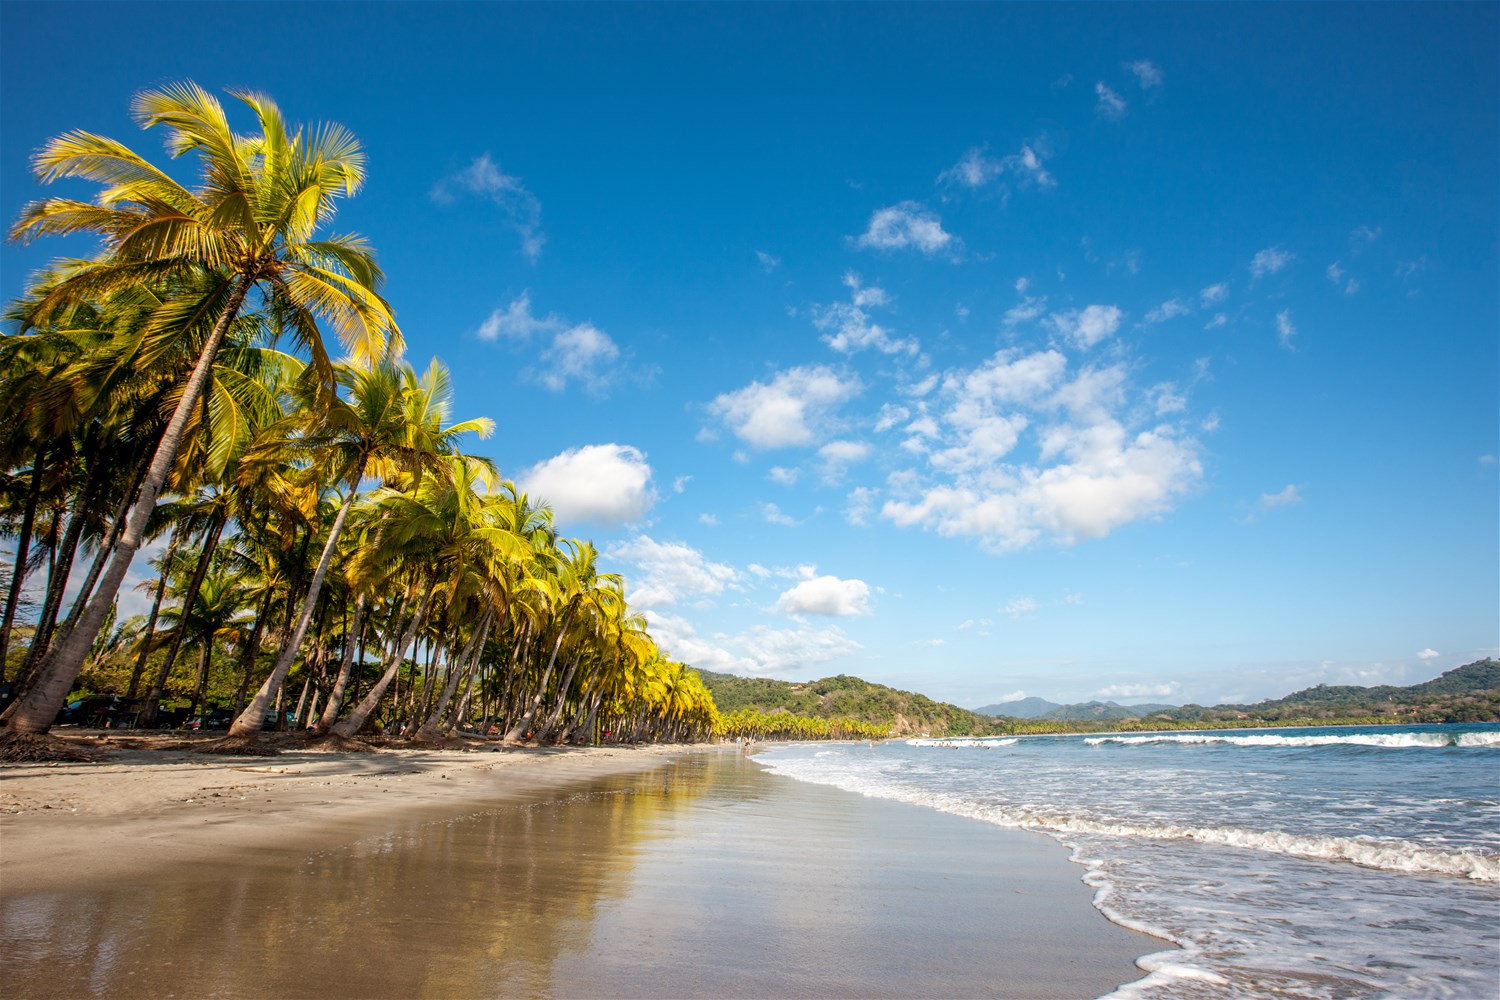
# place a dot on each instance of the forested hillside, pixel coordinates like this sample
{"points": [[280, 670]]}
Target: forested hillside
{"points": [[845, 697]]}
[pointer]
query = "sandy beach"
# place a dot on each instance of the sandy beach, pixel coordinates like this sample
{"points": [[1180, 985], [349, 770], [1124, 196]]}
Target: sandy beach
{"points": [[664, 872]]}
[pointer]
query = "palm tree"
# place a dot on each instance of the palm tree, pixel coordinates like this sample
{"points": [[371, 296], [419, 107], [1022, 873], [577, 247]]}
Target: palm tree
{"points": [[392, 424], [249, 228]]}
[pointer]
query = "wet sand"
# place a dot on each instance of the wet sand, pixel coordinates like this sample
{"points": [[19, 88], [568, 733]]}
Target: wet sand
{"points": [[676, 876]]}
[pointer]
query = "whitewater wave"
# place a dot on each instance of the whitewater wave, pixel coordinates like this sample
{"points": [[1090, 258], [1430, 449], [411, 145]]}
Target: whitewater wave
{"points": [[1386, 854], [1388, 740]]}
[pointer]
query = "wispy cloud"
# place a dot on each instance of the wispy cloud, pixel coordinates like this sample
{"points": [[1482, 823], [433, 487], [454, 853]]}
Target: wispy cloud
{"points": [[1110, 104], [1086, 327], [848, 328], [1170, 309], [484, 179], [670, 572], [574, 352], [1269, 261], [977, 169], [1287, 496], [1146, 73], [768, 263], [1286, 330]]}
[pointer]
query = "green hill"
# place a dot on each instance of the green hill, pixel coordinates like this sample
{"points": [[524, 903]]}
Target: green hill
{"points": [[1470, 693], [845, 697]]}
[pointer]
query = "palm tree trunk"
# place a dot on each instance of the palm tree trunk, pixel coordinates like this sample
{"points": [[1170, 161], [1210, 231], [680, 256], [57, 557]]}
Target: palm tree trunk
{"points": [[189, 598], [23, 549], [431, 729], [541, 688], [62, 663], [341, 683], [253, 717], [201, 687], [356, 719], [62, 568], [106, 546], [161, 589]]}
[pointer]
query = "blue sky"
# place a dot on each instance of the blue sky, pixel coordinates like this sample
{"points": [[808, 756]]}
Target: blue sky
{"points": [[1132, 352]]}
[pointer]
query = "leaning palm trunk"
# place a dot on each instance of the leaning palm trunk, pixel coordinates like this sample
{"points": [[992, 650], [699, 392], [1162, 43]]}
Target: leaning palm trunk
{"points": [[368, 704], [541, 689], [249, 722], [23, 550], [189, 598], [60, 667], [341, 683], [431, 729]]}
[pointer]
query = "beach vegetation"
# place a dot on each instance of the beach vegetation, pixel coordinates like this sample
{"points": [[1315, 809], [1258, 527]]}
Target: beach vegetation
{"points": [[326, 554]]}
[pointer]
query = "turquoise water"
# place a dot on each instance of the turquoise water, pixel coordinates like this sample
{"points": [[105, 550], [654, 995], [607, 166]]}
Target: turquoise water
{"points": [[1332, 862]]}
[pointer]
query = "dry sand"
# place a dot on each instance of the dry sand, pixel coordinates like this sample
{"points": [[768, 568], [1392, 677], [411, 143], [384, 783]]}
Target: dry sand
{"points": [[640, 872], [137, 809]]}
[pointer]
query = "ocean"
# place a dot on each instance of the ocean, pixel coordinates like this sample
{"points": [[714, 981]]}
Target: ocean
{"points": [[1319, 863]]}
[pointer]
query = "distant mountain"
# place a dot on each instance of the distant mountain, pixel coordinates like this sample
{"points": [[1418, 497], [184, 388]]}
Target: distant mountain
{"points": [[1025, 708], [1041, 708], [1470, 693], [1104, 711]]}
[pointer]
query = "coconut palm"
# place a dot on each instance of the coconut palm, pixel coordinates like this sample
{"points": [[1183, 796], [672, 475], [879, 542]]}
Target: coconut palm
{"points": [[393, 424], [249, 226]]}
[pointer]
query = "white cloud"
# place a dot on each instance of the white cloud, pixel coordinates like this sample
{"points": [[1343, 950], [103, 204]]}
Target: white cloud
{"points": [[1088, 326], [774, 515], [708, 519], [1337, 275], [1363, 237], [1166, 690], [861, 504], [1286, 497], [1111, 104], [1286, 330], [1146, 73], [1029, 309], [1213, 294], [1269, 261], [1170, 309], [484, 179], [606, 484], [783, 476], [1220, 319], [769, 650], [579, 352], [789, 411], [1165, 398], [905, 225], [768, 263], [1006, 699], [837, 456], [847, 327], [826, 595], [669, 572], [679, 485], [1428, 654], [1090, 473], [1021, 607], [976, 169]]}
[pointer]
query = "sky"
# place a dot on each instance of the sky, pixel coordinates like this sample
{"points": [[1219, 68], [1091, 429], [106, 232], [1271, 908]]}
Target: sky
{"points": [[1135, 352]]}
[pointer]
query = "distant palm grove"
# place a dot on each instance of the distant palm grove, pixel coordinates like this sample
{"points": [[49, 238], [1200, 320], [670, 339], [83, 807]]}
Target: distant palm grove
{"points": [[223, 378]]}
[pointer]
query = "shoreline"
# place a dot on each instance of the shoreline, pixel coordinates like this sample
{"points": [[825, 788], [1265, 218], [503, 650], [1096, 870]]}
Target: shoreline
{"points": [[138, 810], [684, 871]]}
